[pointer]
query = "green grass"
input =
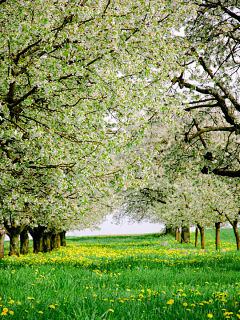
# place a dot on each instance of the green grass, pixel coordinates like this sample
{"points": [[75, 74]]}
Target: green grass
{"points": [[124, 277]]}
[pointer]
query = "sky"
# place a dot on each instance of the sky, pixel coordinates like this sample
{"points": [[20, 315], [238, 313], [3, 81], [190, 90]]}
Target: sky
{"points": [[110, 228]]}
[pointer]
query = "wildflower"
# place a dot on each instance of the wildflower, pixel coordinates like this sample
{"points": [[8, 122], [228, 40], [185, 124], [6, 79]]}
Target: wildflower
{"points": [[95, 295], [5, 309], [185, 304], [111, 310], [30, 298], [19, 303], [52, 306], [11, 312], [3, 314], [40, 312], [171, 301], [210, 315]]}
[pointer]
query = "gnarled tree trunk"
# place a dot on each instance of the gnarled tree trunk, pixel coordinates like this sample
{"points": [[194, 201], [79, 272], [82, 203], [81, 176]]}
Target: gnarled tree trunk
{"points": [[185, 234], [55, 241], [13, 232], [47, 241], [62, 238], [2, 238], [37, 235], [24, 242]]}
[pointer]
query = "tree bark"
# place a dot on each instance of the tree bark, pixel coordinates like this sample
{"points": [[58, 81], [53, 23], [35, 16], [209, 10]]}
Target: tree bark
{"points": [[13, 232], [24, 242], [47, 241], [62, 238], [185, 234], [178, 237], [196, 237], [202, 236], [37, 235], [235, 229], [217, 226], [55, 241], [2, 238]]}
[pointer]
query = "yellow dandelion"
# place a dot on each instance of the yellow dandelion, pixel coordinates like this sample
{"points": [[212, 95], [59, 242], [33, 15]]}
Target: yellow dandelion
{"points": [[111, 310], [3, 314], [40, 312], [210, 315], [5, 309], [171, 301], [52, 306], [11, 312]]}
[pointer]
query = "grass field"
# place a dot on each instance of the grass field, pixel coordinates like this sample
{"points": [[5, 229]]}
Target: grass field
{"points": [[124, 277]]}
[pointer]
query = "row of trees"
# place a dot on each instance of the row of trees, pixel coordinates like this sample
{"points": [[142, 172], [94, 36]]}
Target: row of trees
{"points": [[103, 100]]}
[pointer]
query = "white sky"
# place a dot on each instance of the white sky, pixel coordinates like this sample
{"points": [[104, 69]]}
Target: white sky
{"points": [[109, 228]]}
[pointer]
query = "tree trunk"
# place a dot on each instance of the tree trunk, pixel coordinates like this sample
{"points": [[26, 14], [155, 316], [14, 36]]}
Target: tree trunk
{"points": [[235, 229], [55, 241], [2, 238], [62, 238], [217, 226], [177, 234], [185, 234], [202, 236], [37, 235], [47, 241], [24, 242], [196, 237], [13, 232], [236, 234]]}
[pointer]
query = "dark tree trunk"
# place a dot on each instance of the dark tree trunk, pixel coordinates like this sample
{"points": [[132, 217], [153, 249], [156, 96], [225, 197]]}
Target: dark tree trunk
{"points": [[62, 238], [217, 226], [185, 234], [2, 238], [13, 232], [47, 241], [202, 236], [55, 241], [235, 229], [24, 242], [178, 235], [236, 234], [37, 235], [196, 237]]}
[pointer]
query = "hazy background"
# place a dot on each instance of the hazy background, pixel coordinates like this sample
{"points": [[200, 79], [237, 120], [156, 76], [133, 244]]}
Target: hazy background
{"points": [[110, 228]]}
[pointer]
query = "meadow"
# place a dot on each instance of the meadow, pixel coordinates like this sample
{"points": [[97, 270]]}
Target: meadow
{"points": [[124, 277]]}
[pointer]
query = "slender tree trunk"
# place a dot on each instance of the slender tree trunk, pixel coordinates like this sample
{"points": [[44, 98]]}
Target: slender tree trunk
{"points": [[2, 238], [235, 229], [47, 241], [37, 235], [202, 234], [217, 226], [62, 238], [55, 241], [24, 242], [177, 234], [185, 234], [196, 237]]}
